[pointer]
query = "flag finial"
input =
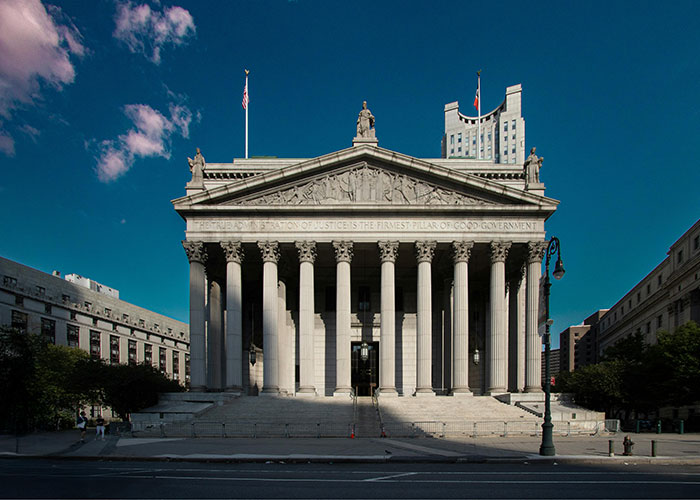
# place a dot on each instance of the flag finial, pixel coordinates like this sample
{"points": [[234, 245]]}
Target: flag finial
{"points": [[246, 72]]}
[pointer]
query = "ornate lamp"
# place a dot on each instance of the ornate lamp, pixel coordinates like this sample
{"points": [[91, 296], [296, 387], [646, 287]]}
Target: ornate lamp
{"points": [[252, 354], [364, 351], [476, 357]]}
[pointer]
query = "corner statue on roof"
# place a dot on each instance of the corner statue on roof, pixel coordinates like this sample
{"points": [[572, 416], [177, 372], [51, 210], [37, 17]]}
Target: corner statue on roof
{"points": [[365, 122], [533, 164], [197, 167]]}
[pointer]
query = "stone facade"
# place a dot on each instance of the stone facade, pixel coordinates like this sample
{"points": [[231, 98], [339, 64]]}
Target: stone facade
{"points": [[664, 299], [427, 261], [578, 344], [74, 315], [502, 131]]}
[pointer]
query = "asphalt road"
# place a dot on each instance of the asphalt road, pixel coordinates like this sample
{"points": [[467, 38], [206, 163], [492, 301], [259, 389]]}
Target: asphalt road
{"points": [[30, 478]]}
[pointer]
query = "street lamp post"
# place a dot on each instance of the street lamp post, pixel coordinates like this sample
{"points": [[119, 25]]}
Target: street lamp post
{"points": [[547, 446]]}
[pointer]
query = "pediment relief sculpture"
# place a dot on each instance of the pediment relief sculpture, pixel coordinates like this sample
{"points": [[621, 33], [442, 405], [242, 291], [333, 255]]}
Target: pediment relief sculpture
{"points": [[363, 185]]}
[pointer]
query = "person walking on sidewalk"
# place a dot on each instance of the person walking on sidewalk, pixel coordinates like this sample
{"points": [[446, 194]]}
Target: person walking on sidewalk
{"points": [[81, 423], [100, 429]]}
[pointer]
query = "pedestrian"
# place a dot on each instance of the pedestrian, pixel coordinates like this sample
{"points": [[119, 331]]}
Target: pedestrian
{"points": [[100, 429], [82, 425]]}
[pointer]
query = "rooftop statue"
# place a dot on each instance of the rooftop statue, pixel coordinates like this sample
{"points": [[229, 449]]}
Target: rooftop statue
{"points": [[365, 122], [532, 166], [197, 168]]}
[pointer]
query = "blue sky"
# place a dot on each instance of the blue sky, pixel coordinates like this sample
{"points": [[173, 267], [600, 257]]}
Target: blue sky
{"points": [[101, 102]]}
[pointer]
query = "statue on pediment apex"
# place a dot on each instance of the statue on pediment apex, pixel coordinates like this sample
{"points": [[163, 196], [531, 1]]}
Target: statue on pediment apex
{"points": [[365, 122], [197, 166], [532, 167]]}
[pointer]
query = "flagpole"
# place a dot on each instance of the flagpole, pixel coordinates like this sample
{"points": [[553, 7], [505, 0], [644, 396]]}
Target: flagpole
{"points": [[246, 115], [478, 90]]}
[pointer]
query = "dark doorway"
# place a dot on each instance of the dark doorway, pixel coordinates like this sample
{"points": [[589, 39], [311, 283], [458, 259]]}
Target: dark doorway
{"points": [[365, 373]]}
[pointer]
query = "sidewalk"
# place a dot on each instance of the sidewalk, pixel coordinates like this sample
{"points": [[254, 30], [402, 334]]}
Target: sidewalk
{"points": [[670, 449]]}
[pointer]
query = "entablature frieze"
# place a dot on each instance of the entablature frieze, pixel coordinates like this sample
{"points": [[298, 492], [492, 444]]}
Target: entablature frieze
{"points": [[405, 229]]}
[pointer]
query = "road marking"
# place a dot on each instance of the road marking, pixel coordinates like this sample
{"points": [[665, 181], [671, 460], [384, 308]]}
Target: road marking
{"points": [[390, 477]]}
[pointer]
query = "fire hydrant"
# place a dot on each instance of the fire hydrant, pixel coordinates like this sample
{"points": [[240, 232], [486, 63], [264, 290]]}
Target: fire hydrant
{"points": [[627, 444]]}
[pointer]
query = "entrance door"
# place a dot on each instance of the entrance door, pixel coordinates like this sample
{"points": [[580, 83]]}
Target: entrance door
{"points": [[365, 374]]}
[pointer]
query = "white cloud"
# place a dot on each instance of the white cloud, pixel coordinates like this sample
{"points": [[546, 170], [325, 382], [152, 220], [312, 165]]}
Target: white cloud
{"points": [[35, 49], [147, 31], [149, 137]]}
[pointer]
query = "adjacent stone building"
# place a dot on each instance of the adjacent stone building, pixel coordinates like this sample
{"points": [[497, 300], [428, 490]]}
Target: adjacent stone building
{"points": [[366, 269], [74, 313], [502, 132], [666, 298], [578, 344]]}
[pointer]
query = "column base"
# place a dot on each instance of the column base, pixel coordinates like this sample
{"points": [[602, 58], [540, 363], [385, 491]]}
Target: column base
{"points": [[233, 390], [424, 393], [270, 391], [387, 392], [306, 392], [461, 393], [497, 391], [533, 389], [342, 392]]}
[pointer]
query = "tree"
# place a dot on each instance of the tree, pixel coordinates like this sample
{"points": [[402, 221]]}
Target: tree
{"points": [[130, 388], [679, 358]]}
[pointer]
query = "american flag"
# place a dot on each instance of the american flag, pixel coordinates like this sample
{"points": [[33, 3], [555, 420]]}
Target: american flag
{"points": [[476, 99], [245, 95]]}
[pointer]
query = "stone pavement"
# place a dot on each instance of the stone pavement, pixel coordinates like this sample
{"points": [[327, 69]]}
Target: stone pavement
{"points": [[671, 449]]}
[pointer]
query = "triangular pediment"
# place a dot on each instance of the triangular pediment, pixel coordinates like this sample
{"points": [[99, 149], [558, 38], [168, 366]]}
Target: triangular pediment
{"points": [[361, 184], [364, 177]]}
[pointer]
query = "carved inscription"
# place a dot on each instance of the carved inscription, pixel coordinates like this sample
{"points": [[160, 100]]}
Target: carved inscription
{"points": [[248, 225]]}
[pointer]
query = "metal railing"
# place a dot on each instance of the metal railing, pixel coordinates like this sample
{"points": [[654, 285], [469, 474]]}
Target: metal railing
{"points": [[428, 428]]}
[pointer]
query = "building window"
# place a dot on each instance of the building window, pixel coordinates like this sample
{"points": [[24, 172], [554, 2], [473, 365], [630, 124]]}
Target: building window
{"points": [[680, 256], [88, 305], [73, 315], [363, 298], [95, 344], [142, 323], [162, 359], [148, 354], [47, 308], [513, 127], [114, 327], [187, 368], [19, 320], [9, 281], [125, 318], [19, 300], [659, 320], [639, 297], [40, 290], [108, 312], [659, 279], [48, 330], [114, 349], [176, 365], [505, 127], [156, 327], [648, 288], [170, 331], [459, 138], [94, 321], [452, 139], [696, 242], [65, 298], [73, 335], [132, 352], [513, 151], [649, 327]]}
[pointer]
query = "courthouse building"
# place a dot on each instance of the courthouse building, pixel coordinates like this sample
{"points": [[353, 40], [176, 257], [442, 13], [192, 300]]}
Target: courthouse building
{"points": [[365, 269], [79, 312]]}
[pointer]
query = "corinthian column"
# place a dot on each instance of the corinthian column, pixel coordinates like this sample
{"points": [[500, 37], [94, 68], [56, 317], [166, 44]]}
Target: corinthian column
{"points": [[270, 256], [533, 343], [460, 349], [497, 340], [307, 256], [343, 256], [424, 316], [197, 255], [387, 339], [234, 322]]}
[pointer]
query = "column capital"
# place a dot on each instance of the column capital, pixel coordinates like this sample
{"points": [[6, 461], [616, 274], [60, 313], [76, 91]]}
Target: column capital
{"points": [[425, 250], [270, 251], [343, 251], [462, 250], [232, 251], [536, 250], [388, 250], [195, 251], [499, 251], [307, 251]]}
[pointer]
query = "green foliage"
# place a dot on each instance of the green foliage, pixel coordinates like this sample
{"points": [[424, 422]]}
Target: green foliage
{"points": [[42, 385], [635, 376]]}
